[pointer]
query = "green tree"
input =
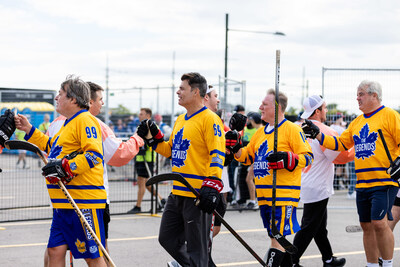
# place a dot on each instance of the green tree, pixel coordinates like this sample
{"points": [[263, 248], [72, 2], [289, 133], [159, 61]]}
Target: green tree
{"points": [[121, 110]]}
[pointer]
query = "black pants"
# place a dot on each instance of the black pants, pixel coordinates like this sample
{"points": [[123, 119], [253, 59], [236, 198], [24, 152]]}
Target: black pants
{"points": [[185, 231], [313, 225]]}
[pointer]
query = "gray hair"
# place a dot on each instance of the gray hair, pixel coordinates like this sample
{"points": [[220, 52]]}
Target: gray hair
{"points": [[372, 87], [78, 90]]}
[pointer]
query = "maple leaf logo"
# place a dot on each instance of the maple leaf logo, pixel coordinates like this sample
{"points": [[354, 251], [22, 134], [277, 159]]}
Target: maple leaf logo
{"points": [[81, 246], [365, 144], [179, 149], [55, 150], [260, 162]]}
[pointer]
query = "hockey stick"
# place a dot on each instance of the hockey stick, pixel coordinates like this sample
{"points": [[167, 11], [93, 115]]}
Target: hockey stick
{"points": [[353, 229], [274, 229], [386, 147], [17, 144], [177, 177]]}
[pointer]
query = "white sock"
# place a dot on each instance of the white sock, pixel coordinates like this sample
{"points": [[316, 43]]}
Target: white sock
{"points": [[372, 264], [329, 261], [387, 263]]}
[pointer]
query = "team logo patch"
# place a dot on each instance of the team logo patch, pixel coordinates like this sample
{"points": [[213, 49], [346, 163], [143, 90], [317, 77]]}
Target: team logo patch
{"points": [[365, 144], [179, 149], [73, 166], [80, 246], [260, 162], [216, 159], [93, 249]]}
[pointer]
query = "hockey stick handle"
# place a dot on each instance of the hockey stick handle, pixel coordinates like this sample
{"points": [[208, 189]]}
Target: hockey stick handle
{"points": [[385, 146], [238, 237], [85, 222]]}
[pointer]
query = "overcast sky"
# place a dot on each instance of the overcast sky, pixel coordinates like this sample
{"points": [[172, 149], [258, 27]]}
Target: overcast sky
{"points": [[42, 41]]}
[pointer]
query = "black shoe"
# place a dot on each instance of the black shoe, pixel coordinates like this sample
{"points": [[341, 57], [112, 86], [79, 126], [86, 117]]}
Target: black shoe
{"points": [[338, 262], [135, 210]]}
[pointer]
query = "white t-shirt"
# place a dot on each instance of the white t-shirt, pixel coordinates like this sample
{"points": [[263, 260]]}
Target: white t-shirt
{"points": [[317, 179]]}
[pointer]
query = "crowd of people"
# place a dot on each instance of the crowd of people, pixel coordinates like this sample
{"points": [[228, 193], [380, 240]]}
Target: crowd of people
{"points": [[281, 163]]}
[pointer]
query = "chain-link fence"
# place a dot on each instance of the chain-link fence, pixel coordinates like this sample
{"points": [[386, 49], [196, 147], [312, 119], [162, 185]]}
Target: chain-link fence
{"points": [[23, 193]]}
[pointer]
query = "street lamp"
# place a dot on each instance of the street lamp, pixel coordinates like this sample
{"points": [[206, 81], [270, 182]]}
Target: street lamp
{"points": [[226, 52]]}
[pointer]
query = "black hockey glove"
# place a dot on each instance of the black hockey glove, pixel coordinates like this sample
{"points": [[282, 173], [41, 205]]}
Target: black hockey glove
{"points": [[280, 160], [233, 141], [228, 159], [310, 129], [209, 194], [394, 169], [7, 126], [155, 136], [58, 170], [237, 122]]}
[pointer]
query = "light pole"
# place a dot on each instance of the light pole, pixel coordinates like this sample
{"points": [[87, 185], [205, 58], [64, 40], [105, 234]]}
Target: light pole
{"points": [[224, 103]]}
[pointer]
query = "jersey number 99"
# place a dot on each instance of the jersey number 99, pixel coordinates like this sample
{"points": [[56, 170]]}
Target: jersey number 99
{"points": [[91, 132], [217, 130]]}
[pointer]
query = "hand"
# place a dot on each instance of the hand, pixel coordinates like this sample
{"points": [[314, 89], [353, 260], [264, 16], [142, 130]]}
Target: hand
{"points": [[310, 129], [280, 160], [209, 194], [58, 170], [233, 141], [237, 122], [7, 126], [394, 169], [150, 133]]}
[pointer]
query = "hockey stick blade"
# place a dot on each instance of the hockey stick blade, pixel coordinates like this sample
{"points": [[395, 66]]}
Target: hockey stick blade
{"points": [[177, 177], [23, 145], [353, 229]]}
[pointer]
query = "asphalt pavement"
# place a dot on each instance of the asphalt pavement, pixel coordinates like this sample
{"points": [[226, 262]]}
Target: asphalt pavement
{"points": [[133, 240]]}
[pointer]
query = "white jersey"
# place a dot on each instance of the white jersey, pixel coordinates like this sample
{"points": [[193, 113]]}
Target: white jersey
{"points": [[116, 152], [317, 179]]}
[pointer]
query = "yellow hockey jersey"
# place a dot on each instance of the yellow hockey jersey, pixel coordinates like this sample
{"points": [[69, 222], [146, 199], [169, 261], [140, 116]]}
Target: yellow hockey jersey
{"points": [[80, 133], [197, 149], [290, 138], [370, 160]]}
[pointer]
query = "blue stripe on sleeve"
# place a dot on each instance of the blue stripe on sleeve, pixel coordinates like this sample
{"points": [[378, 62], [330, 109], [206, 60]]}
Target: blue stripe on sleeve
{"points": [[216, 165], [29, 135], [216, 151]]}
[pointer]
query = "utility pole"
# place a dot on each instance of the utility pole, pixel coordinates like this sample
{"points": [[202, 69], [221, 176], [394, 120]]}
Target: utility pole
{"points": [[225, 100], [173, 90], [106, 115]]}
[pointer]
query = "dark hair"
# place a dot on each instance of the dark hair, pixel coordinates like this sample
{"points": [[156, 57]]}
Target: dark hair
{"points": [[77, 89], [147, 110], [319, 108], [239, 108], [195, 80], [93, 89]]}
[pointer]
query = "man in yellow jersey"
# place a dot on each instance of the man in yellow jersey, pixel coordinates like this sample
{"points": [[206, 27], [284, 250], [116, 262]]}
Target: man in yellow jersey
{"points": [[197, 151], [294, 153], [376, 184], [82, 174]]}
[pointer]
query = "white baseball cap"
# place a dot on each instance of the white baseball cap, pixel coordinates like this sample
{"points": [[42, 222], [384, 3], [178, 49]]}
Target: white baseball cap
{"points": [[310, 104]]}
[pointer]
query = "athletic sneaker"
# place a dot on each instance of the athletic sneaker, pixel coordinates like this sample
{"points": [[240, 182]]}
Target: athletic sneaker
{"points": [[252, 206], [173, 264], [336, 262], [297, 265], [352, 195], [135, 210]]}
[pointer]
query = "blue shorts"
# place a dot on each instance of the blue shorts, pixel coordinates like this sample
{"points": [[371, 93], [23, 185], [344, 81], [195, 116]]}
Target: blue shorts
{"points": [[286, 224], [374, 203], [67, 229]]}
